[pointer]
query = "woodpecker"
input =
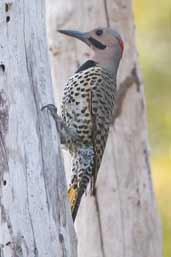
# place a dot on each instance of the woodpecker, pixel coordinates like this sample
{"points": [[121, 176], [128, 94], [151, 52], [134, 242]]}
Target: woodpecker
{"points": [[87, 107]]}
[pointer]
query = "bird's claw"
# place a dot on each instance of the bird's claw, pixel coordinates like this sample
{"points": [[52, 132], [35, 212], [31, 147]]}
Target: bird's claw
{"points": [[66, 133], [51, 108]]}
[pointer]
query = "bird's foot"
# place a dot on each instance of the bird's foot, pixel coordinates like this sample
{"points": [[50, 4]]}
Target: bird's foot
{"points": [[67, 135], [52, 109]]}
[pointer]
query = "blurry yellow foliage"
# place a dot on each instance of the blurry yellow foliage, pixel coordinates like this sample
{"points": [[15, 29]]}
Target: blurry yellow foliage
{"points": [[153, 36], [161, 166]]}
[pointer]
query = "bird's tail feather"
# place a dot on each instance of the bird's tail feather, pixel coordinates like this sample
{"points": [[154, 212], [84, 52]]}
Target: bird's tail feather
{"points": [[82, 173], [75, 208], [72, 195], [75, 195]]}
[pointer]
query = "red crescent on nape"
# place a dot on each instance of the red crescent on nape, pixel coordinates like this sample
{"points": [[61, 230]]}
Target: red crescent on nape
{"points": [[120, 43]]}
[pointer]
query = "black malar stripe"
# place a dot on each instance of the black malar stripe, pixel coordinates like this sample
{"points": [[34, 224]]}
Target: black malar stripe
{"points": [[96, 43]]}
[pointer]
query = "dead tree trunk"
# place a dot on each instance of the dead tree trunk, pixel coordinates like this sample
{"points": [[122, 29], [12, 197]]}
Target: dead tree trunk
{"points": [[121, 220], [35, 218]]}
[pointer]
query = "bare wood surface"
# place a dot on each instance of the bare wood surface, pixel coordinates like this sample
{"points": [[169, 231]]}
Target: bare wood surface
{"points": [[122, 219], [35, 218]]}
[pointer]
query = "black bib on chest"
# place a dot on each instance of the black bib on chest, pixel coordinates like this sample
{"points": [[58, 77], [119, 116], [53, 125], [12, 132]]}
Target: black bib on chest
{"points": [[86, 65]]}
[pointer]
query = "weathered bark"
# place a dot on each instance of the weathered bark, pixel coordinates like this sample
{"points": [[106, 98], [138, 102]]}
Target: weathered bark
{"points": [[35, 216], [122, 219]]}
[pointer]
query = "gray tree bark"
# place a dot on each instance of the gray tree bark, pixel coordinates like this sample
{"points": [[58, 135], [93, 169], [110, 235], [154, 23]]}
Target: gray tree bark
{"points": [[122, 219], [35, 218]]}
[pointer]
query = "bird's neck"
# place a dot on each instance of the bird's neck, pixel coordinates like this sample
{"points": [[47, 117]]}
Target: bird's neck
{"points": [[112, 68], [108, 63]]}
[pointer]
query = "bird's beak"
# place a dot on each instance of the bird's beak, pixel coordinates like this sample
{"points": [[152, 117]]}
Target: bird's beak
{"points": [[83, 36]]}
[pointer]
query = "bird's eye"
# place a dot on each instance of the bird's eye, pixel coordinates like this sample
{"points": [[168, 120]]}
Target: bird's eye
{"points": [[99, 32]]}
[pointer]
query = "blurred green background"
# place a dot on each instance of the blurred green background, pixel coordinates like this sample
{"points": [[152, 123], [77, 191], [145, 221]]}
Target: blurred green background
{"points": [[153, 36]]}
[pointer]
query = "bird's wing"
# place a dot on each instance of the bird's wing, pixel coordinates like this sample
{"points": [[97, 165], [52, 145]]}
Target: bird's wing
{"points": [[102, 103]]}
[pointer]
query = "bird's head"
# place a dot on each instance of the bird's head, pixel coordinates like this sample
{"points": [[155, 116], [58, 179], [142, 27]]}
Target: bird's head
{"points": [[106, 43]]}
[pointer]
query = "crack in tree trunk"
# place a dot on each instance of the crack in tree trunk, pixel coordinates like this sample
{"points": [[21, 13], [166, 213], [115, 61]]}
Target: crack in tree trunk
{"points": [[106, 13], [120, 206], [100, 224]]}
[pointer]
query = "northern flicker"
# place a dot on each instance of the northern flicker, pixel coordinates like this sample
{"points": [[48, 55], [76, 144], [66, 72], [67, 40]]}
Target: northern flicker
{"points": [[87, 107]]}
